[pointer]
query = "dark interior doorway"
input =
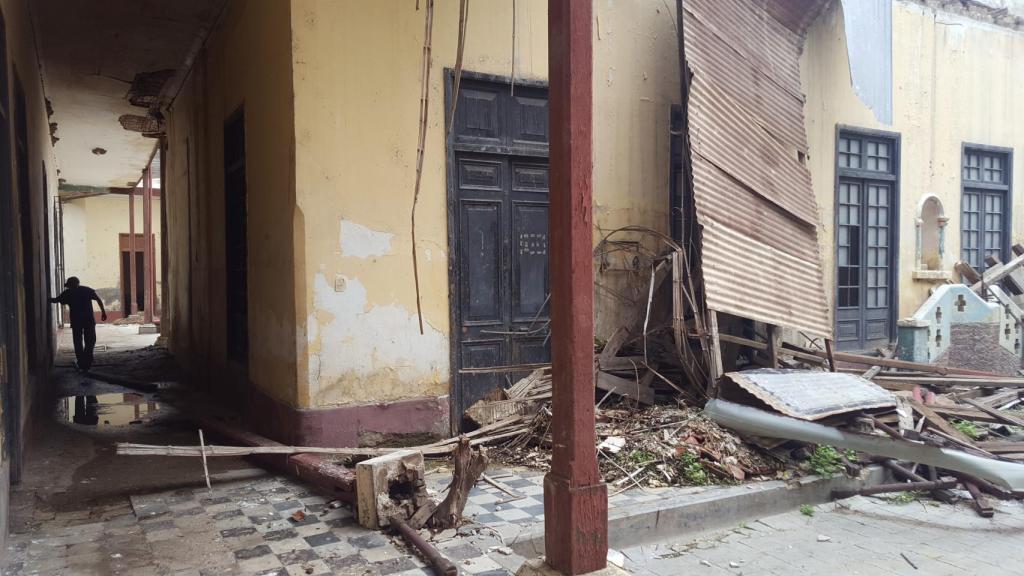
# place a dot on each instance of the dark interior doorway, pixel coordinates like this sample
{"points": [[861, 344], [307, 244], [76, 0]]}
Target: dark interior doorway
{"points": [[132, 300], [236, 247], [498, 234]]}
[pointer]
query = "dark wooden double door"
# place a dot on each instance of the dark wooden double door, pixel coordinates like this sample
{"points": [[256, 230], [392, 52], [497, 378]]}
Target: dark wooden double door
{"points": [[498, 183]]}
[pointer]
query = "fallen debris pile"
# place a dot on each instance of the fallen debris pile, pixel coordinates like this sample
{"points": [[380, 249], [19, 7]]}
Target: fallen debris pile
{"points": [[652, 447]]}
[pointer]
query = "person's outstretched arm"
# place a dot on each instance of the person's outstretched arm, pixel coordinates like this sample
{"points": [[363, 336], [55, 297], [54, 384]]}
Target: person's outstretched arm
{"points": [[103, 311], [59, 299]]}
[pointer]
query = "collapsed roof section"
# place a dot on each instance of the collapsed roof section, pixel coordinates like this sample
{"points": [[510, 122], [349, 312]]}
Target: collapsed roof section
{"points": [[752, 193]]}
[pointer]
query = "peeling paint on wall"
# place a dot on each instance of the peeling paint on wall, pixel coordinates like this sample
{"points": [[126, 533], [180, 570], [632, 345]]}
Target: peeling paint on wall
{"points": [[358, 241], [360, 352]]}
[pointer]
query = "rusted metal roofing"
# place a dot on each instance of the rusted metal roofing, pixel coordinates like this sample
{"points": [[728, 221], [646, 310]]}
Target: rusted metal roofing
{"points": [[752, 193], [813, 395]]}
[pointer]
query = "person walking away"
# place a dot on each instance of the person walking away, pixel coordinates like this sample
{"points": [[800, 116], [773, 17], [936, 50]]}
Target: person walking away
{"points": [[83, 324]]}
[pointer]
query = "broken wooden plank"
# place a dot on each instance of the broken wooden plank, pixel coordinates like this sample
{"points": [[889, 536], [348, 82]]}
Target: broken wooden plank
{"points": [[999, 398], [1014, 281], [1002, 416], [997, 382], [941, 423], [764, 347], [964, 413], [998, 447], [1007, 303], [507, 368], [980, 502], [608, 358], [633, 389], [996, 274], [967, 272]]}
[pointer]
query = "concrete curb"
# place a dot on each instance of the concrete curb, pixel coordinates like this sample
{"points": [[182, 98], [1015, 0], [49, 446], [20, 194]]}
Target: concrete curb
{"points": [[709, 510]]}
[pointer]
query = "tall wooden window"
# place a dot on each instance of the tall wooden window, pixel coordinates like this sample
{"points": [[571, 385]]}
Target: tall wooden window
{"points": [[866, 210], [985, 205]]}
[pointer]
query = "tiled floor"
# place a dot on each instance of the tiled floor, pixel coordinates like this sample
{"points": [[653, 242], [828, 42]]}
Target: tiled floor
{"points": [[244, 527]]}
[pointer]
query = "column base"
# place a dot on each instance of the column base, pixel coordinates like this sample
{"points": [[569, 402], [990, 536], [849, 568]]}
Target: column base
{"points": [[575, 525], [538, 567]]}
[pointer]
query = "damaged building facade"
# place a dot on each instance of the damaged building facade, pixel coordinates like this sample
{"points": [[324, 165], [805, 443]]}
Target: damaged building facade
{"points": [[913, 132], [305, 303], [297, 284], [283, 114]]}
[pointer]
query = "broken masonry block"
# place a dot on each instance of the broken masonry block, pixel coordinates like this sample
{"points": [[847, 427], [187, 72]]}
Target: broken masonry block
{"points": [[389, 486]]}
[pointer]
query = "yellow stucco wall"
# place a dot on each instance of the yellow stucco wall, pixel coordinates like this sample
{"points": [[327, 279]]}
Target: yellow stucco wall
{"points": [[247, 60], [357, 84], [92, 226], [955, 81]]}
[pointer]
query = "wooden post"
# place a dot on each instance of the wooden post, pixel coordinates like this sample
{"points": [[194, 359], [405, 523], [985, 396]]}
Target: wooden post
{"points": [[147, 243], [715, 350], [575, 497], [128, 307], [774, 343], [830, 354]]}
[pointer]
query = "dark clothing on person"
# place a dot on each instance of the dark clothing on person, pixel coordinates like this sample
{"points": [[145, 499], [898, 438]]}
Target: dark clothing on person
{"points": [[84, 338], [79, 299], [83, 322]]}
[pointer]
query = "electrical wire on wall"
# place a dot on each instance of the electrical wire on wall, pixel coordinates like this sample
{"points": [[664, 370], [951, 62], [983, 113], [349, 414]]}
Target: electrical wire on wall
{"points": [[424, 103], [463, 19]]}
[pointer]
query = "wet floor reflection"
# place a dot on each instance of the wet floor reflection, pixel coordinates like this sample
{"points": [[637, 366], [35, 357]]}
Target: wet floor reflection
{"points": [[107, 409]]}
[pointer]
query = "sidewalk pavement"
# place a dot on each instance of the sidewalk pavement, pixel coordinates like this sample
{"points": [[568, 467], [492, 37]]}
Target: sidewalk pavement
{"points": [[246, 526], [859, 535]]}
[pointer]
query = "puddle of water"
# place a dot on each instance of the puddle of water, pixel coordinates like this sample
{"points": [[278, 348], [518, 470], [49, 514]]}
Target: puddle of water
{"points": [[107, 409]]}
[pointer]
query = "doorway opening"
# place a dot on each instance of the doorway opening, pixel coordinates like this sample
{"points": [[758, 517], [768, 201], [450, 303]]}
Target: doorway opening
{"points": [[133, 298]]}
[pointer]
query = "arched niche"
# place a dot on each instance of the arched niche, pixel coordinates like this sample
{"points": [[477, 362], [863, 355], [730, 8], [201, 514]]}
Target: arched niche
{"points": [[931, 234]]}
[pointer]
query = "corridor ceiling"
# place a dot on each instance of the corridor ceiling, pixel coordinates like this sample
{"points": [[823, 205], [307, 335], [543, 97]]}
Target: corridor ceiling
{"points": [[91, 51]]}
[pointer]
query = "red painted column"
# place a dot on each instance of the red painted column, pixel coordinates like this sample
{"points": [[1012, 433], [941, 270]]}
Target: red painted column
{"points": [[129, 307], [575, 497], [147, 241]]}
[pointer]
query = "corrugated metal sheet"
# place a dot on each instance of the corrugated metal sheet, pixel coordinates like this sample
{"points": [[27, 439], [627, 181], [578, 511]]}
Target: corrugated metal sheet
{"points": [[727, 135], [759, 218], [776, 107], [813, 395], [797, 15]]}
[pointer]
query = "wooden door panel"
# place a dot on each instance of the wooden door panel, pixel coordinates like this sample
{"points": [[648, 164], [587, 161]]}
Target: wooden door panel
{"points": [[480, 262], [530, 282]]}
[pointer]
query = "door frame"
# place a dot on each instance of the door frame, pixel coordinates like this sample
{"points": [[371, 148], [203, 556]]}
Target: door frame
{"points": [[454, 280], [894, 227]]}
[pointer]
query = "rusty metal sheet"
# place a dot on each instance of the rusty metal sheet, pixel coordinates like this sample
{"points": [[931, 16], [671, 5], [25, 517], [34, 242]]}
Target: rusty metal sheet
{"points": [[753, 280], [778, 108], [745, 27], [728, 136], [752, 192], [741, 209], [813, 395]]}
